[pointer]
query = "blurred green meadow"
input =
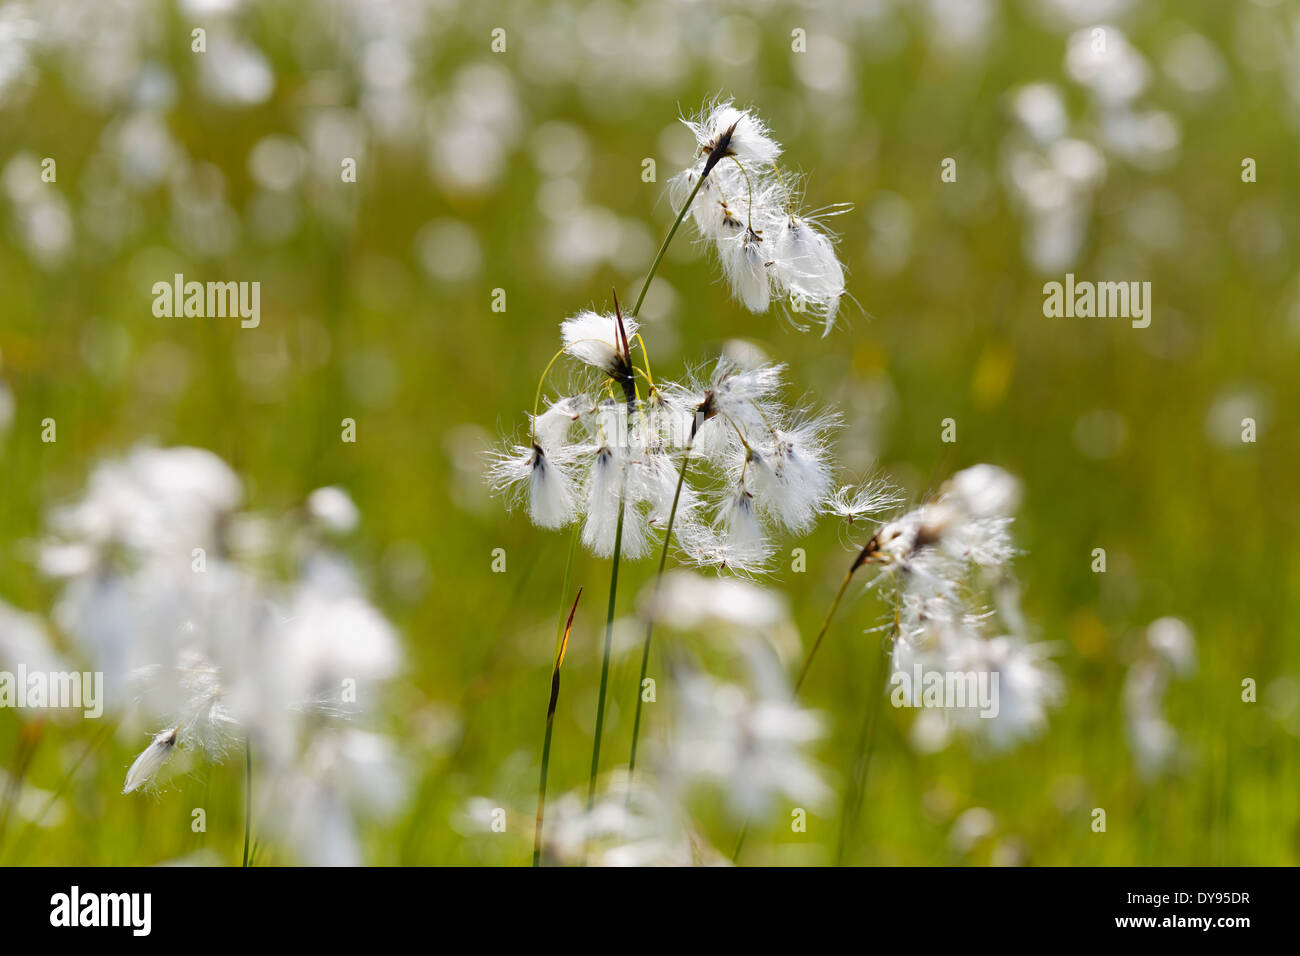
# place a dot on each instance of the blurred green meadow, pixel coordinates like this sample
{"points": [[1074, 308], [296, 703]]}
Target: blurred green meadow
{"points": [[522, 171]]}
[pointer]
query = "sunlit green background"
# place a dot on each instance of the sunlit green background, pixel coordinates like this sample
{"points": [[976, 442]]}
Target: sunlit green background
{"points": [[522, 171]]}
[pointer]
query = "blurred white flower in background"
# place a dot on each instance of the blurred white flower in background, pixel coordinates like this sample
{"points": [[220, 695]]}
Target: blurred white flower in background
{"points": [[1052, 178], [688, 601], [1101, 59], [334, 509], [640, 826], [748, 741], [42, 216], [1168, 650], [164, 590], [233, 72], [24, 639], [472, 128], [17, 32]]}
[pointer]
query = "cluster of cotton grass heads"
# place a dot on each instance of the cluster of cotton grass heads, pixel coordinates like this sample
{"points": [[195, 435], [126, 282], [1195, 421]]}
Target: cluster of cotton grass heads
{"points": [[610, 458], [747, 207], [171, 591], [958, 611], [715, 466]]}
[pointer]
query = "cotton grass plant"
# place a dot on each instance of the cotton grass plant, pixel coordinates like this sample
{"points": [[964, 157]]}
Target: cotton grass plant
{"points": [[714, 465], [612, 458]]}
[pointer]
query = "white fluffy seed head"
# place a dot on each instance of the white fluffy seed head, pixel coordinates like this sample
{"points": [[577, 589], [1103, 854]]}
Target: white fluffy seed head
{"points": [[806, 268], [738, 390], [553, 427], [855, 502], [542, 480], [607, 486], [550, 492], [738, 519], [736, 132], [151, 760], [589, 457], [748, 208], [984, 490], [985, 542], [596, 340], [719, 220], [333, 508], [744, 264], [1028, 685], [652, 483], [794, 478]]}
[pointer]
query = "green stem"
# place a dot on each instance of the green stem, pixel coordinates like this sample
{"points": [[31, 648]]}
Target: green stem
{"points": [[862, 763], [568, 578], [560, 648], [681, 479], [740, 841], [650, 616], [546, 763], [654, 266], [23, 753], [248, 796], [20, 843], [604, 665], [826, 623], [618, 533]]}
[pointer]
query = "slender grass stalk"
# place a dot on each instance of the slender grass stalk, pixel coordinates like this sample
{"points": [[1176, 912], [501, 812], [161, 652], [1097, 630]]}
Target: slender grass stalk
{"points": [[826, 623], [561, 644], [560, 626], [20, 843], [618, 534], [654, 266], [248, 796], [604, 664], [740, 841], [29, 738], [852, 806], [546, 765], [868, 555], [550, 726], [650, 615], [681, 479]]}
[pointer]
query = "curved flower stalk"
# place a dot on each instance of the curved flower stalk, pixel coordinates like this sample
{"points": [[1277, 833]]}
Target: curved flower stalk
{"points": [[749, 209], [163, 591]]}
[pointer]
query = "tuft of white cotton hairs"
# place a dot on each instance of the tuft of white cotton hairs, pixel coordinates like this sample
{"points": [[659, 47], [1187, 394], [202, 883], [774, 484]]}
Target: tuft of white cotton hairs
{"points": [[749, 209], [152, 759]]}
